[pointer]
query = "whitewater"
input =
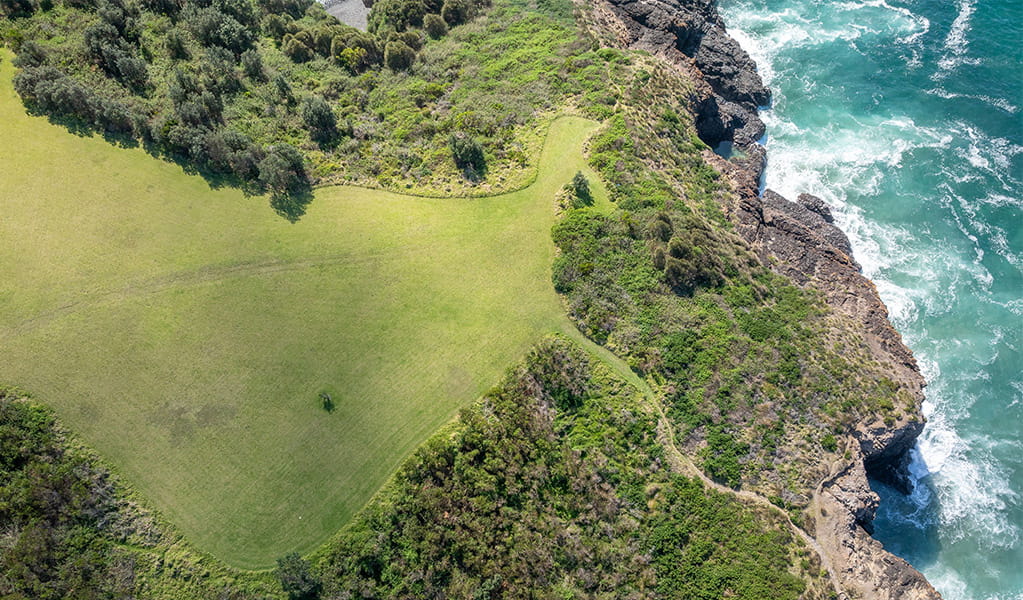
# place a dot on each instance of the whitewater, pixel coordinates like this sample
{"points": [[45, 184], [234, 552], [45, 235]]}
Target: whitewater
{"points": [[905, 116]]}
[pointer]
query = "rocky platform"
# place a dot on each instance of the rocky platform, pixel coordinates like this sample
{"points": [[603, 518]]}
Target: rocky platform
{"points": [[799, 240]]}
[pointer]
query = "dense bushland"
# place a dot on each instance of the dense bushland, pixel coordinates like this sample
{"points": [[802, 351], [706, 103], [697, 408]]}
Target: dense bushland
{"points": [[229, 87], [750, 375], [555, 483]]}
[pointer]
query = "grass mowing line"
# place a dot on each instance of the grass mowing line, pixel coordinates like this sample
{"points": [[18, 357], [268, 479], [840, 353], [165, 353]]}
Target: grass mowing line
{"points": [[176, 347]]}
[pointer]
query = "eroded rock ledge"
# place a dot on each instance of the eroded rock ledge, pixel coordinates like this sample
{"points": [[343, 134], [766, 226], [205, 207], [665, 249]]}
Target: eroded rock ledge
{"points": [[799, 240]]}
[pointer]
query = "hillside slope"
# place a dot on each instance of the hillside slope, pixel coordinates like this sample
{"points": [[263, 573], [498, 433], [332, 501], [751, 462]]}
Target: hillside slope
{"points": [[764, 359]]}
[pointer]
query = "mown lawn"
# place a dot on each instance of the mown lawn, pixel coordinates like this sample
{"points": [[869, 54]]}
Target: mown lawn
{"points": [[186, 333]]}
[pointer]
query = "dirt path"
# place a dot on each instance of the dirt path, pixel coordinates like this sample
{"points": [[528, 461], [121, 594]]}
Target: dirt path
{"points": [[684, 465]]}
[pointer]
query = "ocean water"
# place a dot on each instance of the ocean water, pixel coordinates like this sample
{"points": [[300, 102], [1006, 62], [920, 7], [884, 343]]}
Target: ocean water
{"points": [[905, 116]]}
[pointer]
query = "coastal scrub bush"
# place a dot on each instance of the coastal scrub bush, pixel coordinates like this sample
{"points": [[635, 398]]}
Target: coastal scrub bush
{"points": [[455, 12], [467, 153], [282, 171], [252, 65], [396, 15], [435, 26], [398, 56], [296, 578], [580, 186], [320, 119]]}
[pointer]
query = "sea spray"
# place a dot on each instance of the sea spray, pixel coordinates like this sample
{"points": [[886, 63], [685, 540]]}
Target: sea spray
{"points": [[904, 117]]}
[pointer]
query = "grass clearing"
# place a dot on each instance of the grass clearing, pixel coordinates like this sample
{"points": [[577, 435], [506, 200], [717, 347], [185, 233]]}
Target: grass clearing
{"points": [[186, 333]]}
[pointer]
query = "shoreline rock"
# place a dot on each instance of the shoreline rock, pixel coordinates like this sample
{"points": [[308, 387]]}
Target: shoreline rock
{"points": [[799, 240]]}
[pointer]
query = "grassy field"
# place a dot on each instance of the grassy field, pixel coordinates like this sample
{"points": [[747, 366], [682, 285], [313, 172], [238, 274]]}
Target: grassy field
{"points": [[186, 333]]}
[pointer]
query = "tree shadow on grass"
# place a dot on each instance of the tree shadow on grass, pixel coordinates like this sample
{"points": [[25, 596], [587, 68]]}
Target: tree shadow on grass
{"points": [[291, 205], [83, 128]]}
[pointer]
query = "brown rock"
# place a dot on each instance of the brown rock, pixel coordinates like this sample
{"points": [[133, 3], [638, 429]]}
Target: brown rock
{"points": [[799, 240]]}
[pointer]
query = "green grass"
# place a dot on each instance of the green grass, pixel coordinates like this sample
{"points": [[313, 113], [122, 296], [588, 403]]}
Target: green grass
{"points": [[186, 333]]}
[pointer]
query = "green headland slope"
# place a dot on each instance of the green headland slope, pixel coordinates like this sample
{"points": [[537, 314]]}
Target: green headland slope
{"points": [[187, 333]]}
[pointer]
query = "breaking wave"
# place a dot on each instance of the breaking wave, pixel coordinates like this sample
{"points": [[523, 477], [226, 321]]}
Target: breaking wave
{"points": [[927, 182]]}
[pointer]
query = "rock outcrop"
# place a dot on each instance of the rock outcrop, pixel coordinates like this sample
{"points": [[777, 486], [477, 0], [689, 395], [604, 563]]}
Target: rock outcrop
{"points": [[799, 240]]}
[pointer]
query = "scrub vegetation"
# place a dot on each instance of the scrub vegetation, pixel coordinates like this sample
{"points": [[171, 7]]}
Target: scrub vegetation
{"points": [[186, 323], [240, 90], [554, 482], [258, 379], [752, 369]]}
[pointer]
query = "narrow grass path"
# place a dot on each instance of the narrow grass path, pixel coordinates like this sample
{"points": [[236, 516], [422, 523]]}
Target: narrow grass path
{"points": [[187, 333]]}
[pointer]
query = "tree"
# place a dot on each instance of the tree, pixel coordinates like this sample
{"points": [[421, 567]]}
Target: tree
{"points": [[398, 56], [296, 578], [283, 171], [283, 174]]}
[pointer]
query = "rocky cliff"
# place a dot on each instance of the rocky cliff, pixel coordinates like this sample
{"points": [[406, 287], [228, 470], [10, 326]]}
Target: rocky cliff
{"points": [[799, 240]]}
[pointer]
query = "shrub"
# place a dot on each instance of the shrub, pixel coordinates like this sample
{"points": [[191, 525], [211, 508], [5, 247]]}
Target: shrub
{"points": [[398, 56], [356, 50], [829, 443], [435, 26], [455, 12], [231, 152], [163, 7], [296, 578], [51, 90], [30, 54], [282, 89], [396, 15], [217, 26], [413, 39], [276, 25], [293, 8], [17, 8], [467, 152], [353, 59], [252, 64], [177, 45], [297, 47], [319, 118]]}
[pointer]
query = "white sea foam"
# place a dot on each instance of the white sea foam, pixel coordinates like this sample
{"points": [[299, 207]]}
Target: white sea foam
{"points": [[1000, 103], [956, 42], [973, 487], [964, 493], [764, 34]]}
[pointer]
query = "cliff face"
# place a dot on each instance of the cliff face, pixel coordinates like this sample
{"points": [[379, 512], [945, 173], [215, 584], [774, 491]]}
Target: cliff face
{"points": [[799, 240]]}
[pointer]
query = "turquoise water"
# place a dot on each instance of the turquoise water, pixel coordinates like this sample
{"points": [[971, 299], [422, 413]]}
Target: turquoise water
{"points": [[905, 116]]}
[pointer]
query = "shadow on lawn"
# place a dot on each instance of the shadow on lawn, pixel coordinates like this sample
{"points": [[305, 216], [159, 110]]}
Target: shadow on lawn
{"points": [[290, 205]]}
